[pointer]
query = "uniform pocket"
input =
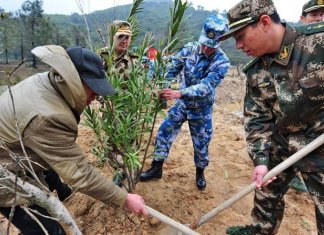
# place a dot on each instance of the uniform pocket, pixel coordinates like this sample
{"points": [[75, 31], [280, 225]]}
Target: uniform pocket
{"points": [[312, 85], [313, 80]]}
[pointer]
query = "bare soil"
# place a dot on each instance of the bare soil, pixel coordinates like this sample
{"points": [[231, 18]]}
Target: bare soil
{"points": [[176, 195]]}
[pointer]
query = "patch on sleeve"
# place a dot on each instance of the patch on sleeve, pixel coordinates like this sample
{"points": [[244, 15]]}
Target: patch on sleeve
{"points": [[314, 28]]}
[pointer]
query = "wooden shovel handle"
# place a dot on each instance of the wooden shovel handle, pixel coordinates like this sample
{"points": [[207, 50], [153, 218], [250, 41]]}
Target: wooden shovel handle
{"points": [[171, 222], [275, 171]]}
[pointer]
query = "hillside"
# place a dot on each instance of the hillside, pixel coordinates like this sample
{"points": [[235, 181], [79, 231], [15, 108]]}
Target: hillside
{"points": [[154, 18], [70, 30]]}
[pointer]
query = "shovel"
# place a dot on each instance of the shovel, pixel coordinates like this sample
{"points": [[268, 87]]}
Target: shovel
{"points": [[177, 227], [275, 171]]}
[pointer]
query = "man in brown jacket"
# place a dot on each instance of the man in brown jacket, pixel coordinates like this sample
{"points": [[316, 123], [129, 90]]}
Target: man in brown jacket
{"points": [[48, 107]]}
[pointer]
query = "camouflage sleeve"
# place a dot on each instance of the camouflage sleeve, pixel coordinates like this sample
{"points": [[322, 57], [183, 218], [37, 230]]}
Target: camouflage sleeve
{"points": [[258, 125], [217, 71], [176, 64], [104, 54]]}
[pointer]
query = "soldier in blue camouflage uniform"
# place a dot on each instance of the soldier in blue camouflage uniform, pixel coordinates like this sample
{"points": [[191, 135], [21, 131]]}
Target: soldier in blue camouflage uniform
{"points": [[283, 107], [204, 65]]}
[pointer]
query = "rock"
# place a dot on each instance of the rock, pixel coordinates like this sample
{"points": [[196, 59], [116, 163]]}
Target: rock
{"points": [[155, 222], [145, 232], [120, 215]]}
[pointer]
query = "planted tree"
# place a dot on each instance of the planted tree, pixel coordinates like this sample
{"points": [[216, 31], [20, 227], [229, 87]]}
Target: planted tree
{"points": [[123, 125]]}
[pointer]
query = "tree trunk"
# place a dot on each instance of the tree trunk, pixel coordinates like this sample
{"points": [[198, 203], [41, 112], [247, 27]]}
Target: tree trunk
{"points": [[22, 47], [6, 54], [41, 198], [34, 57]]}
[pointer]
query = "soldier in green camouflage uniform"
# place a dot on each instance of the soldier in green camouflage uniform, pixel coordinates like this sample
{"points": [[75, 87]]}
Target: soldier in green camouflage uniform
{"points": [[122, 58], [120, 64], [313, 11], [283, 107]]}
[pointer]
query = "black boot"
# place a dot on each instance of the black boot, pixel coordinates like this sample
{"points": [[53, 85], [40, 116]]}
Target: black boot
{"points": [[155, 172], [119, 177], [200, 179], [54, 182]]}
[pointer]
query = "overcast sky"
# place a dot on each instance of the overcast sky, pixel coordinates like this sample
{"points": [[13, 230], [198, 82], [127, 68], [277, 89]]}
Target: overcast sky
{"points": [[289, 10]]}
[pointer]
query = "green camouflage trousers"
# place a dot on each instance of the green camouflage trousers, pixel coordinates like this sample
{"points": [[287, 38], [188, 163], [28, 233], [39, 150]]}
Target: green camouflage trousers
{"points": [[269, 202]]}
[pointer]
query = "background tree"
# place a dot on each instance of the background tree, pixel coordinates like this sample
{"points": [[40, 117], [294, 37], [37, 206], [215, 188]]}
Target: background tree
{"points": [[80, 4], [7, 33], [37, 29], [70, 30]]}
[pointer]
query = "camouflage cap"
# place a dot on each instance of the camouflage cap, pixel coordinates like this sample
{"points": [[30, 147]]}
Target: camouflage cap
{"points": [[214, 27], [122, 27], [313, 5], [247, 12]]}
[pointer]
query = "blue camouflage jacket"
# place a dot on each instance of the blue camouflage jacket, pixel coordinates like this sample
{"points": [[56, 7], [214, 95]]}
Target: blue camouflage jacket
{"points": [[201, 74]]}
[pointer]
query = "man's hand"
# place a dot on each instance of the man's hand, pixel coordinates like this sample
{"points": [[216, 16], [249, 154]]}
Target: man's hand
{"points": [[168, 94], [258, 173], [135, 203]]}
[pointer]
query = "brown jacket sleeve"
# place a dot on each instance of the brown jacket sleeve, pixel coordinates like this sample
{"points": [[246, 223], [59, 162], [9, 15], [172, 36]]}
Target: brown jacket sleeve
{"points": [[53, 139]]}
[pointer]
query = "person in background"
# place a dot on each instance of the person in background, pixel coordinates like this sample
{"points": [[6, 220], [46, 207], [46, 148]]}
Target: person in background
{"points": [[283, 107], [122, 57], [313, 11], [48, 121], [152, 54], [205, 65], [121, 64]]}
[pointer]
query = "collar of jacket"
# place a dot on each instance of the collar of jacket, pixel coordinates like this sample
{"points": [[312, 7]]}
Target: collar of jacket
{"points": [[287, 46], [124, 55], [201, 53]]}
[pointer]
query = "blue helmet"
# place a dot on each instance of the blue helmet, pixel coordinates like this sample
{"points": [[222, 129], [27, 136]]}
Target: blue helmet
{"points": [[214, 27]]}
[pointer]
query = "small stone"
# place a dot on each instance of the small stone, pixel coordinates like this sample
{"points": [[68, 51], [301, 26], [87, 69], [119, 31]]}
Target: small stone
{"points": [[155, 222]]}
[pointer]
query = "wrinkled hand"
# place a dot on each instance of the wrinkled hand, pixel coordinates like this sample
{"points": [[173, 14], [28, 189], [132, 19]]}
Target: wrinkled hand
{"points": [[168, 94], [135, 203], [258, 173]]}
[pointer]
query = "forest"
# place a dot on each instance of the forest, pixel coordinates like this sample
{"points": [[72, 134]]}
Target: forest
{"points": [[29, 26]]}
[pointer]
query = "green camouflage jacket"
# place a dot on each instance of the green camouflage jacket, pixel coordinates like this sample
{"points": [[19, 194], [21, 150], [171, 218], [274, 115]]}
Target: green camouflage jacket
{"points": [[121, 64], [284, 103]]}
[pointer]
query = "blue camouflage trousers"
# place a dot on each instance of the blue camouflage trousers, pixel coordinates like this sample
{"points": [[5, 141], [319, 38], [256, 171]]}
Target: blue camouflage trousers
{"points": [[201, 130]]}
